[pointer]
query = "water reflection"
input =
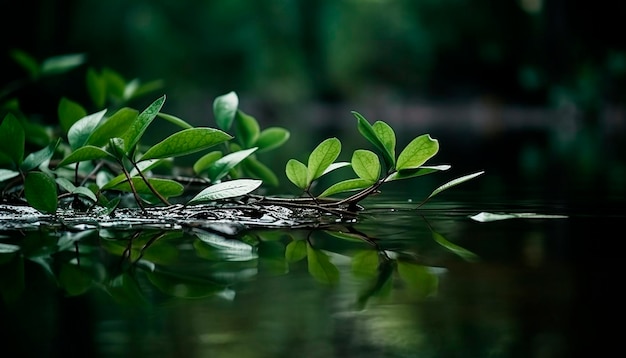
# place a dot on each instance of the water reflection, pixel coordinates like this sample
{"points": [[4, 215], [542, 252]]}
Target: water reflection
{"points": [[415, 285]]}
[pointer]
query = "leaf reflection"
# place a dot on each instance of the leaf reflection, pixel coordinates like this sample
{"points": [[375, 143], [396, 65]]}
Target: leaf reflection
{"points": [[139, 267]]}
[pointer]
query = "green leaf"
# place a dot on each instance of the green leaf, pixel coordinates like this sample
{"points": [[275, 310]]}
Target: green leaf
{"points": [[165, 187], [456, 249], [175, 120], [115, 83], [412, 173], [71, 188], [66, 184], [271, 138], [183, 287], [85, 153], [454, 182], [112, 127], [296, 250], [6, 174], [35, 159], [387, 138], [79, 132], [418, 278], [222, 166], [228, 189], [40, 191], [366, 165], [417, 152], [205, 161], [320, 266], [97, 87], [143, 167], [186, 142], [346, 185], [74, 279], [225, 109], [27, 62], [257, 170], [297, 173], [368, 132], [322, 157], [365, 263], [12, 139], [69, 112], [247, 129], [63, 63], [139, 126]]}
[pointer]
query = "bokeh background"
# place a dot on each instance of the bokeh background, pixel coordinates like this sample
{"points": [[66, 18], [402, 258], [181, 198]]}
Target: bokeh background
{"points": [[532, 91]]}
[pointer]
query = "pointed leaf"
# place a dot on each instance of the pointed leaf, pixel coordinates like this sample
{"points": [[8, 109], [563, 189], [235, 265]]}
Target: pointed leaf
{"points": [[225, 109], [366, 165], [417, 152], [144, 166], [228, 189], [12, 139], [412, 173], [69, 112], [186, 142], [296, 173], [320, 266], [80, 131], [85, 153], [222, 166], [456, 249], [454, 182], [271, 138], [335, 166], [6, 174], [40, 191], [346, 185], [112, 127], [65, 184], [322, 157], [139, 126], [247, 129]]}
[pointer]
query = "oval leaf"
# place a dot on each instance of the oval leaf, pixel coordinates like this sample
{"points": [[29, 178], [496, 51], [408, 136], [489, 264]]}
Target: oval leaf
{"points": [[320, 266], [417, 152], [224, 190], [366, 165], [205, 161], [296, 250], [296, 173], [40, 191], [346, 185], [186, 142], [368, 132], [35, 159], [271, 138], [322, 157], [387, 138], [224, 110]]}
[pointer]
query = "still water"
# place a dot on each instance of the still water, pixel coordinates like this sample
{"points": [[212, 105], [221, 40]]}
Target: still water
{"points": [[433, 282]]}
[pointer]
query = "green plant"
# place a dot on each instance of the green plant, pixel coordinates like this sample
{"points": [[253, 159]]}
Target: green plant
{"points": [[103, 153]]}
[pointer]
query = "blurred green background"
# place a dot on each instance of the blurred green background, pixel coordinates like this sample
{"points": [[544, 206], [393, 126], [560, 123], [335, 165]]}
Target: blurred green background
{"points": [[530, 90]]}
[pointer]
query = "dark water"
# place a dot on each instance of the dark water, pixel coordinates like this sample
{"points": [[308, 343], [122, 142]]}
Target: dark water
{"points": [[399, 283]]}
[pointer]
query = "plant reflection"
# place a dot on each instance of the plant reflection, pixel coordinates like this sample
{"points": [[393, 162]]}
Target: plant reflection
{"points": [[154, 266]]}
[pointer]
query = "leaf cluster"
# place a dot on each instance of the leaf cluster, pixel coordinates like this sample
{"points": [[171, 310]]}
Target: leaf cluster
{"points": [[99, 157]]}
